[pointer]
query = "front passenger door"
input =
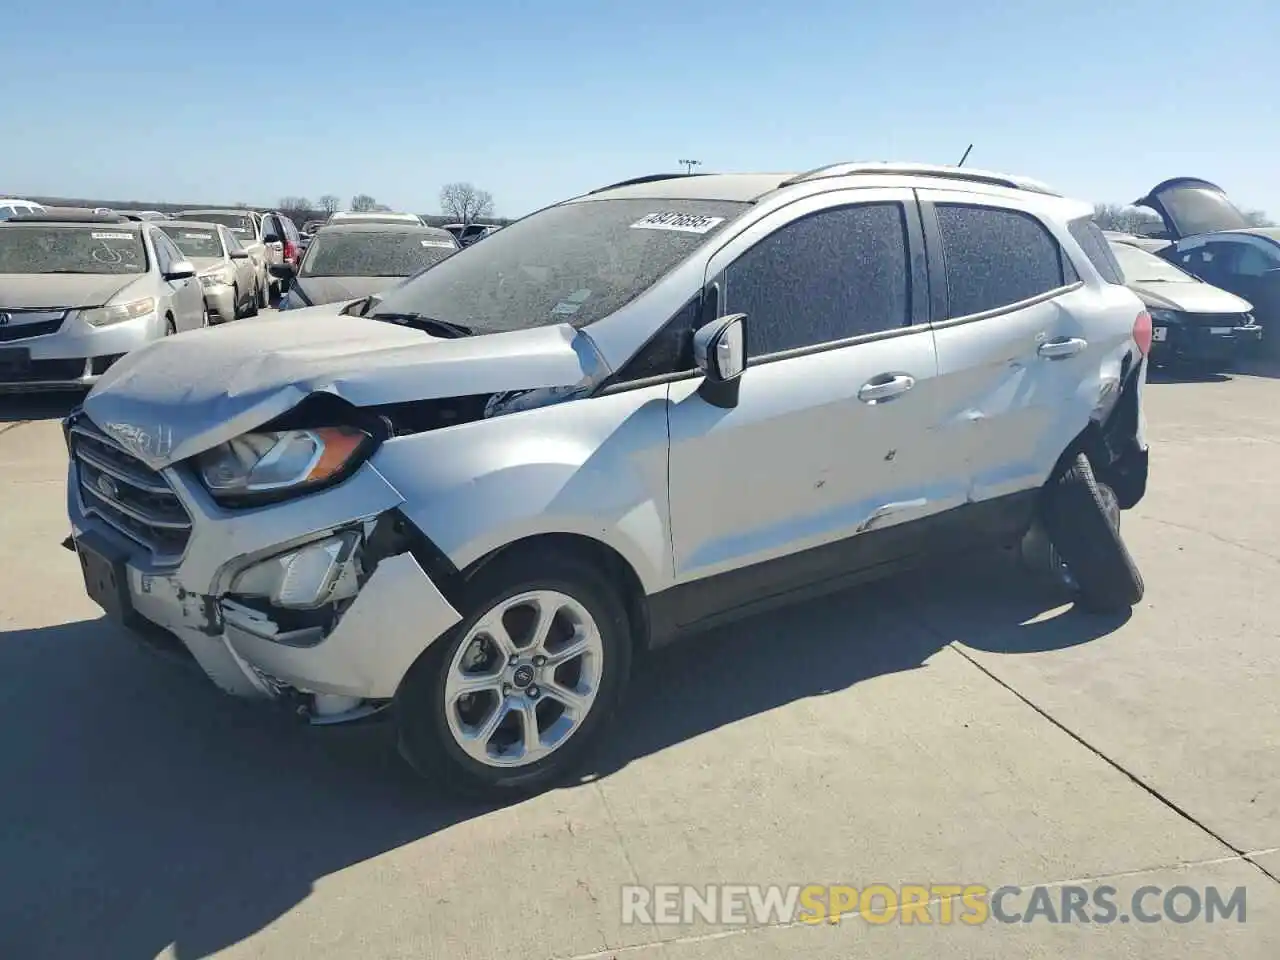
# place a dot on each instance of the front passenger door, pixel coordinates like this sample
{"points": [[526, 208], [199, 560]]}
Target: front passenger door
{"points": [[187, 295], [831, 434]]}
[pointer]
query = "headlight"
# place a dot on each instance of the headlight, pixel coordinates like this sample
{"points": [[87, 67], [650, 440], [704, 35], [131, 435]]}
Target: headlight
{"points": [[214, 280], [1163, 317], [257, 464], [105, 316]]}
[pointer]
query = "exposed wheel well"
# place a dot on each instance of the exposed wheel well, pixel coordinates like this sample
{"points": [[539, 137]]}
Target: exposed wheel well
{"points": [[598, 554]]}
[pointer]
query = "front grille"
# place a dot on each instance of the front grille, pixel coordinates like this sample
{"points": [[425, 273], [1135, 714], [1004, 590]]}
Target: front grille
{"points": [[50, 321], [1217, 319], [127, 494]]}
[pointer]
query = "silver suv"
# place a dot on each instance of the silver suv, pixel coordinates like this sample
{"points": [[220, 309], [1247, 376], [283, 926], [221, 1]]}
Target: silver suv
{"points": [[668, 403]]}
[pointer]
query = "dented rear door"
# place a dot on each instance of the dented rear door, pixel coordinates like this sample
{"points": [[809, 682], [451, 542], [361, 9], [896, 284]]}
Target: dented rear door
{"points": [[1010, 333]]}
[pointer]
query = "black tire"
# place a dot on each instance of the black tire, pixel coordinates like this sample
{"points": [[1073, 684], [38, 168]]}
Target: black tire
{"points": [[170, 327], [1075, 518], [252, 310], [236, 309], [424, 738]]}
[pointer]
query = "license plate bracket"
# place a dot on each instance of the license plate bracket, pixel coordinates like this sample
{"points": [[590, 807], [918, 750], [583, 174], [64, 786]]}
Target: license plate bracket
{"points": [[106, 577], [14, 360]]}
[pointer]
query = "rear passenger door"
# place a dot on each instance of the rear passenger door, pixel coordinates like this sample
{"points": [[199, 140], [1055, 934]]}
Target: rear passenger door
{"points": [[1013, 339], [832, 434]]}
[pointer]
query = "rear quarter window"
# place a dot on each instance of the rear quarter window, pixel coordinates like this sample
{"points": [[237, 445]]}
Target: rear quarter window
{"points": [[1088, 234]]}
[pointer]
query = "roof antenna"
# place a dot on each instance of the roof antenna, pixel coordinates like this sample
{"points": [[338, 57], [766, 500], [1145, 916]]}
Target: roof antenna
{"points": [[965, 157]]}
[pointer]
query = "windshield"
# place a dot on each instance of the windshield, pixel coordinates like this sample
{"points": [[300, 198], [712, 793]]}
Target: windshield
{"points": [[239, 224], [195, 243], [65, 248], [1139, 266], [574, 263], [369, 254]]}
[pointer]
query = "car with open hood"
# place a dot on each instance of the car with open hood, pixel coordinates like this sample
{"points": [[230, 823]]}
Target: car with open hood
{"points": [[80, 290], [1193, 323], [668, 403], [353, 260], [1211, 238], [228, 276]]}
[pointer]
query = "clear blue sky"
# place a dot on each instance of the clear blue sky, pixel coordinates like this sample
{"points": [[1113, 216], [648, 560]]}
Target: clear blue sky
{"points": [[170, 101]]}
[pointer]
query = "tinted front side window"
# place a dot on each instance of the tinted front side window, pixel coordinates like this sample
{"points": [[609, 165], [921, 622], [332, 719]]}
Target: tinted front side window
{"points": [[833, 275], [574, 263], [995, 257]]}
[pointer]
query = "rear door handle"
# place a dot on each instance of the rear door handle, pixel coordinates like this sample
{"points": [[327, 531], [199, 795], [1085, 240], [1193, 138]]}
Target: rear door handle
{"points": [[885, 387], [1061, 348]]}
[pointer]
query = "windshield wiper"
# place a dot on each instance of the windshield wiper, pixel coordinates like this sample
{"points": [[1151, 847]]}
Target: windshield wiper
{"points": [[437, 328]]}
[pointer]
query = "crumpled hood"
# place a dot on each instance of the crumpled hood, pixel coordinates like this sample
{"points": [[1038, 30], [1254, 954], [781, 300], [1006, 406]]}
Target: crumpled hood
{"points": [[321, 290], [22, 290], [181, 395], [1190, 298]]}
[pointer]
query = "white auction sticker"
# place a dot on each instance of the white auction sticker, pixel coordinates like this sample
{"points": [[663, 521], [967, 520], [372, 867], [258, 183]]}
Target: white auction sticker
{"points": [[111, 236], [443, 244], [679, 222], [197, 236]]}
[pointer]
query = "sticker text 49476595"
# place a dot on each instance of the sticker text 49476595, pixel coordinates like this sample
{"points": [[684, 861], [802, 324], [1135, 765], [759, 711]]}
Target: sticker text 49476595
{"points": [[679, 222]]}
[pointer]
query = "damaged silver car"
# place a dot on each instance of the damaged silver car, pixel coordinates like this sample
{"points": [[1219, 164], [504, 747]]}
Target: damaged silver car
{"points": [[666, 404]]}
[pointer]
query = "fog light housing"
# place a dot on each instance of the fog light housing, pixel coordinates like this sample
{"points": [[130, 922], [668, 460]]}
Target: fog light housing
{"points": [[307, 577]]}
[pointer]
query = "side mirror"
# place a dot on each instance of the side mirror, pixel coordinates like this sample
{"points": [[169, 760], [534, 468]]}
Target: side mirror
{"points": [[720, 352], [241, 254], [180, 270], [282, 271]]}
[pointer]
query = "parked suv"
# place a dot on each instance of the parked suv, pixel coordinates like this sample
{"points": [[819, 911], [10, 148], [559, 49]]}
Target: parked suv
{"points": [[669, 403]]}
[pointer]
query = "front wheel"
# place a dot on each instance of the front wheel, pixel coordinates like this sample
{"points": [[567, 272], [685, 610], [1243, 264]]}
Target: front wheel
{"points": [[1082, 518], [510, 701]]}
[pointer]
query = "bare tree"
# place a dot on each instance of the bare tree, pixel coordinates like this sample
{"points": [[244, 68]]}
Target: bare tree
{"points": [[295, 208], [362, 203], [329, 203], [465, 203], [1112, 216], [1258, 218]]}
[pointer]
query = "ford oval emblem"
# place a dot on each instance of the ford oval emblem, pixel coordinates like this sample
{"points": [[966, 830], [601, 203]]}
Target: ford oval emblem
{"points": [[108, 487]]}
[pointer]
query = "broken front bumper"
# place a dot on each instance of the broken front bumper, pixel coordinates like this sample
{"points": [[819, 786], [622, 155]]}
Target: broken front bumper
{"points": [[357, 612]]}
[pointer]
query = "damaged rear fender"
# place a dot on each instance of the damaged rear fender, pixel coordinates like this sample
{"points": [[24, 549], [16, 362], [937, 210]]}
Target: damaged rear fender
{"points": [[593, 467]]}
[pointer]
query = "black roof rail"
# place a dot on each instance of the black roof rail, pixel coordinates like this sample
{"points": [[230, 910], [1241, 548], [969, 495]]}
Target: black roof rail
{"points": [[941, 171], [647, 178]]}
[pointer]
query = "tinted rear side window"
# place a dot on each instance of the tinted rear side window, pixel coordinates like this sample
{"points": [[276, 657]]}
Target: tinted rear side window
{"points": [[833, 275], [1089, 235], [995, 257]]}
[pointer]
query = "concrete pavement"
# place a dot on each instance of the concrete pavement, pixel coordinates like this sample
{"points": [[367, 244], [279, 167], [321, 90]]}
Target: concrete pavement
{"points": [[955, 726]]}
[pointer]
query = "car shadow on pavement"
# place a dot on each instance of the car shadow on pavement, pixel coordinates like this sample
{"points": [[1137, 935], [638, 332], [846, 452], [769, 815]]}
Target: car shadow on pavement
{"points": [[1186, 375], [143, 808], [25, 407]]}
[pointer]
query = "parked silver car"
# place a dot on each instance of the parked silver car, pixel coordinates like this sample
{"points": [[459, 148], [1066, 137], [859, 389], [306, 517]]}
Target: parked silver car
{"points": [[347, 261], [228, 276], [662, 405], [77, 292], [247, 227]]}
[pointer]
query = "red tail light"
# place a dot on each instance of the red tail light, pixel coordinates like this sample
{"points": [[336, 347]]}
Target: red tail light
{"points": [[1142, 332], [291, 253]]}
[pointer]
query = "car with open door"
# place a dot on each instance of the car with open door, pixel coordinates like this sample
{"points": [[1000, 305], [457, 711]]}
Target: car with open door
{"points": [[668, 403], [1193, 323], [1211, 238]]}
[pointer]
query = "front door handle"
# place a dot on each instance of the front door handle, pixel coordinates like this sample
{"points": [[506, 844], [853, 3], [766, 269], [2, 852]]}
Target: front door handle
{"points": [[885, 387], [1061, 348]]}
